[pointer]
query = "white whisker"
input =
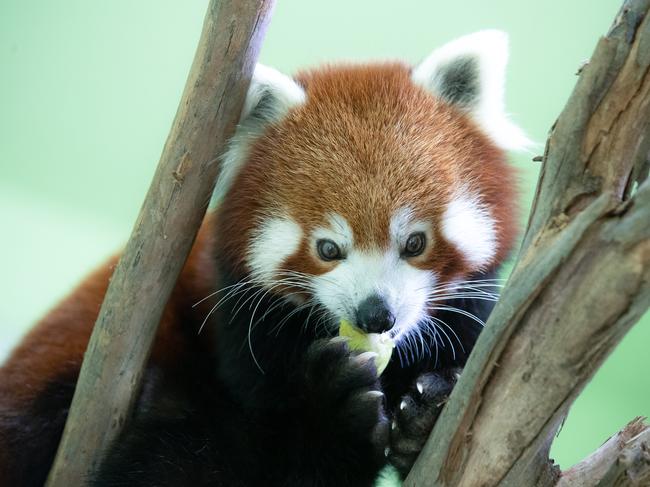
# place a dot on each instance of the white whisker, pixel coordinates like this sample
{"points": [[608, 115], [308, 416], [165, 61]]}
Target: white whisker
{"points": [[459, 311]]}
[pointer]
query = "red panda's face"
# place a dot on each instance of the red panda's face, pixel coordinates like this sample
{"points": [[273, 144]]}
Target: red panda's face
{"points": [[370, 191]]}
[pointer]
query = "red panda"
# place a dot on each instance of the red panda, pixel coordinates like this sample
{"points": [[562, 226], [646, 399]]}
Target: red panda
{"points": [[378, 194]]}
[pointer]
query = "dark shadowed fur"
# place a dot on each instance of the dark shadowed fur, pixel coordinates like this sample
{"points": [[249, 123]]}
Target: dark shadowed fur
{"points": [[313, 417], [32, 436], [306, 420]]}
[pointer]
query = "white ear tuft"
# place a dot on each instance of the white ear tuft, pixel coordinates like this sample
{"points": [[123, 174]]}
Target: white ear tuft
{"points": [[469, 72], [270, 97]]}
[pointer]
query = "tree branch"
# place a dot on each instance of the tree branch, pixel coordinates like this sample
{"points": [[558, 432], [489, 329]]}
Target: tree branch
{"points": [[162, 236], [581, 281], [623, 461]]}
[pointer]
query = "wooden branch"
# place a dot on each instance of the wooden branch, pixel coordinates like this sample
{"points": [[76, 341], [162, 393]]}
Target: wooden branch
{"points": [[581, 281], [162, 236], [623, 461]]}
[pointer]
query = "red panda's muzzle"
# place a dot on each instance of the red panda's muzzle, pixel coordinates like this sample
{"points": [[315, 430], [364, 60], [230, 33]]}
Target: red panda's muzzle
{"points": [[374, 315]]}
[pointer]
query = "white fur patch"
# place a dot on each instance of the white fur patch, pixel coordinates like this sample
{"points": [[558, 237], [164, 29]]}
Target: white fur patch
{"points": [[361, 274], [284, 93], [490, 50], [404, 287], [468, 225], [339, 231], [399, 224], [273, 241], [278, 94], [402, 225]]}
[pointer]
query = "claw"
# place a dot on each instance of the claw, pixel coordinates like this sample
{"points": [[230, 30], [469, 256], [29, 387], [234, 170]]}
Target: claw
{"points": [[365, 357], [375, 394], [402, 405], [393, 425], [419, 387], [386, 451]]}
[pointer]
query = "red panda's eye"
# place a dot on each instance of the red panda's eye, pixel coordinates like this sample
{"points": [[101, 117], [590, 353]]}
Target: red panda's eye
{"points": [[414, 245], [328, 250]]}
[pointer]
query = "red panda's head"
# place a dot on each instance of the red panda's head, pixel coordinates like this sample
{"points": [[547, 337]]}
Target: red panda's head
{"points": [[364, 189]]}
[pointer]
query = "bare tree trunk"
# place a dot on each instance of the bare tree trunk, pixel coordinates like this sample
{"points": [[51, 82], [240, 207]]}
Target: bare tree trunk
{"points": [[163, 235], [581, 281]]}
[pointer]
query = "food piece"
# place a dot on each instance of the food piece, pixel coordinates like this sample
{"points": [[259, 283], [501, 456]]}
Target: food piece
{"points": [[380, 343]]}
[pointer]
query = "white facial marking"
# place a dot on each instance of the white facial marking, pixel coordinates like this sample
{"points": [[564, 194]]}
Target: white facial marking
{"points": [[363, 273], [276, 239], [399, 224], [403, 225], [468, 225], [338, 231], [488, 50]]}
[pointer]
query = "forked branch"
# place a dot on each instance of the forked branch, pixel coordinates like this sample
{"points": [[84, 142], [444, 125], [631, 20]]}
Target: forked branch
{"points": [[581, 281]]}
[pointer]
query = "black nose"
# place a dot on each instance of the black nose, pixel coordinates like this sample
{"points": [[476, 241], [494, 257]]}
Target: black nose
{"points": [[373, 315]]}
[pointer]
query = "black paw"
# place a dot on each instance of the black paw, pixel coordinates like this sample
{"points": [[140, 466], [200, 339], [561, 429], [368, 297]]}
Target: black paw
{"points": [[344, 391], [415, 416]]}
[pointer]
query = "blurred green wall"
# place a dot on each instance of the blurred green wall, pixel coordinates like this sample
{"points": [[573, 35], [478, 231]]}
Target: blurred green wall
{"points": [[88, 91]]}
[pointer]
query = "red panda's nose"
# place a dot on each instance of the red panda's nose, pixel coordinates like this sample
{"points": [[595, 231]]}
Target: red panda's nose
{"points": [[374, 315]]}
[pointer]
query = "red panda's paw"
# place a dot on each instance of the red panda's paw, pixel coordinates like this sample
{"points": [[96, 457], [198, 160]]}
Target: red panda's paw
{"points": [[345, 390], [416, 414]]}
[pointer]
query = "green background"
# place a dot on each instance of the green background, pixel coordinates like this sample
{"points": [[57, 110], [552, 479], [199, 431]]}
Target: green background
{"points": [[88, 91]]}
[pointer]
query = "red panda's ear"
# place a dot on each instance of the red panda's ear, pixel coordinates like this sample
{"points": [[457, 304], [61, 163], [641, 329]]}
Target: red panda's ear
{"points": [[469, 73], [270, 97]]}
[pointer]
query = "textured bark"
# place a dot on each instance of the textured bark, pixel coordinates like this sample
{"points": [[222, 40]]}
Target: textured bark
{"points": [[162, 236], [581, 281], [624, 460]]}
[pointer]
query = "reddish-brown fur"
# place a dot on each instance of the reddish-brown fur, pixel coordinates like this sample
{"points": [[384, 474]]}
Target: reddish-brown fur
{"points": [[367, 142], [54, 348]]}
